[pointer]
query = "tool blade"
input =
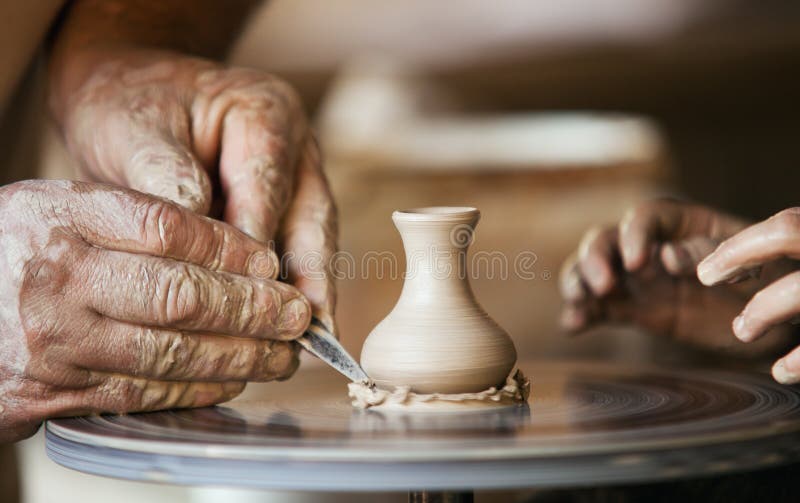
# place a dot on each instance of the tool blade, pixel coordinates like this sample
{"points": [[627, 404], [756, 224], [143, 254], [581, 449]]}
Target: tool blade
{"points": [[321, 343]]}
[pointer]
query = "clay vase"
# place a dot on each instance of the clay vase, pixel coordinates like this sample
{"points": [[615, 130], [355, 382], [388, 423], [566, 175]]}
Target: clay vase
{"points": [[438, 339]]}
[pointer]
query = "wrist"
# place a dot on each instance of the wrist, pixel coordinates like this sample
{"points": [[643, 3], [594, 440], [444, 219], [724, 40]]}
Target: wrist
{"points": [[93, 28], [70, 68]]}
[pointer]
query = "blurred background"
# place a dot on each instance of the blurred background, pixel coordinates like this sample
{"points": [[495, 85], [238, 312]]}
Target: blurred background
{"points": [[550, 116]]}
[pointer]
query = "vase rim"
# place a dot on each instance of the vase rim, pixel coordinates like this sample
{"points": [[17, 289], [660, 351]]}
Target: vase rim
{"points": [[437, 213]]}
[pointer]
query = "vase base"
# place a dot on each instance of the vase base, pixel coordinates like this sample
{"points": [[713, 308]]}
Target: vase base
{"points": [[402, 399]]}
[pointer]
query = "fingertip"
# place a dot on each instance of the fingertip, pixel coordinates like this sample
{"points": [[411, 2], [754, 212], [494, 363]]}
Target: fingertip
{"points": [[193, 195], [596, 273], [263, 265], [603, 284], [293, 319], [572, 288], [671, 259], [740, 329], [707, 273], [233, 387], [607, 282], [174, 174], [633, 255], [572, 319], [784, 375], [595, 256], [631, 244]]}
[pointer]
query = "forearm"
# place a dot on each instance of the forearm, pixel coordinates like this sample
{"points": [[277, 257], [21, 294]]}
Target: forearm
{"points": [[91, 28]]}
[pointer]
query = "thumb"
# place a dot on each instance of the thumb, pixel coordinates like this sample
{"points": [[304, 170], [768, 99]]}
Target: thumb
{"points": [[163, 166]]}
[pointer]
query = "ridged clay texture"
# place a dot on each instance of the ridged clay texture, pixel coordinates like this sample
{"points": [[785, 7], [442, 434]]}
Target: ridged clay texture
{"points": [[438, 338]]}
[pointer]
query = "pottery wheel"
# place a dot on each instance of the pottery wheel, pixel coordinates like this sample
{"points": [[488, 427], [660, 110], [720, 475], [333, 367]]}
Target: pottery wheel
{"points": [[586, 424]]}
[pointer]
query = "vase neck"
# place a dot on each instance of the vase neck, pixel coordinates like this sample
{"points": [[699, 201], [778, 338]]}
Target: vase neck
{"points": [[436, 256]]}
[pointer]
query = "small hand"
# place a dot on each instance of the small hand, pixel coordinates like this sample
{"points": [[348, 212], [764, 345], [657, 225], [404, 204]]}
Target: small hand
{"points": [[643, 272], [775, 304], [115, 301]]}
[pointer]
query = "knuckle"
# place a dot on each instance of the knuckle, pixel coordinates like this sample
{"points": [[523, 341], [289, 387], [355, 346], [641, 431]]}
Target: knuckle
{"points": [[787, 222], [220, 246], [630, 216], [158, 395], [47, 365], [642, 209], [184, 296], [590, 241], [567, 270], [793, 288], [147, 351], [248, 308], [120, 395], [181, 355], [256, 306], [285, 90], [168, 355], [163, 224], [48, 269], [241, 362], [637, 211], [235, 361], [161, 155]]}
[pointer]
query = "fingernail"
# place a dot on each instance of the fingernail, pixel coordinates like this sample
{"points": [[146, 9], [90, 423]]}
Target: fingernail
{"points": [[782, 374], [739, 329], [294, 317], [706, 273], [262, 265], [571, 319]]}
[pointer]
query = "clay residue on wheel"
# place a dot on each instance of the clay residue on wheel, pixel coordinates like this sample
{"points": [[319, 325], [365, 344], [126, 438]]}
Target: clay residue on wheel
{"points": [[516, 390]]}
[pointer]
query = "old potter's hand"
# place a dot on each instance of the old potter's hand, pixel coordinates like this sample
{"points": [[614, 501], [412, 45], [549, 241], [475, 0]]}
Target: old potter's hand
{"points": [[116, 301], [188, 129], [642, 271], [767, 244]]}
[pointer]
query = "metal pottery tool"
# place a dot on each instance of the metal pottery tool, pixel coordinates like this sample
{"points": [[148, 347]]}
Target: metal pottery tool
{"points": [[320, 342]]}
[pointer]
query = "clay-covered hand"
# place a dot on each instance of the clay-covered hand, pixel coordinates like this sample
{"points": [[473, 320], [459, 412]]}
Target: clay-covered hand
{"points": [[763, 245], [115, 301], [232, 143], [642, 271]]}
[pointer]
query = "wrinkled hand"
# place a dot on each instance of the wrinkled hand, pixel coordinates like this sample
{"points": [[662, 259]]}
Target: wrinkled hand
{"points": [[643, 272], [760, 246], [114, 301], [226, 142]]}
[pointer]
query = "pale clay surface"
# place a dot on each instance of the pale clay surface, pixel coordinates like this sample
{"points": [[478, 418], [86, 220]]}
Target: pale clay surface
{"points": [[437, 340], [516, 390]]}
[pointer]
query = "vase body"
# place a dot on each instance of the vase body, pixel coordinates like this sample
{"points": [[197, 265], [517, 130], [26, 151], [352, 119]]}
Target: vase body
{"points": [[438, 339]]}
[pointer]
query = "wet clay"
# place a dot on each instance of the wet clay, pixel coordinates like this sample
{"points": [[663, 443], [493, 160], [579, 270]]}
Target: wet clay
{"points": [[364, 395], [438, 345]]}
